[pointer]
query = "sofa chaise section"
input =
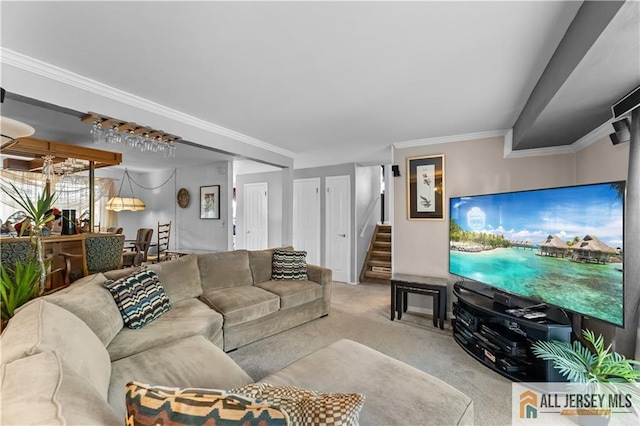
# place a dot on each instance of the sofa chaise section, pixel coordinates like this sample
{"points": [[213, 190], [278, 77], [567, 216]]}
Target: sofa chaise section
{"points": [[396, 393]]}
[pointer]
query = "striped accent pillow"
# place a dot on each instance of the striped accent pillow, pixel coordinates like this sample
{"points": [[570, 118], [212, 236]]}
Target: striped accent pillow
{"points": [[155, 405], [289, 265], [140, 297]]}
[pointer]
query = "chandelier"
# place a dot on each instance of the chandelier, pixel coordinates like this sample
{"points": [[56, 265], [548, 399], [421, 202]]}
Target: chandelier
{"points": [[119, 203], [111, 130]]}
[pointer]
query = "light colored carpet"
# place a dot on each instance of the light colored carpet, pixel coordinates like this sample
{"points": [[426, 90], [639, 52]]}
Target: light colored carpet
{"points": [[361, 313]]}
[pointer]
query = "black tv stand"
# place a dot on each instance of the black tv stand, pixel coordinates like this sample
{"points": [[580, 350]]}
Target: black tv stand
{"points": [[501, 339]]}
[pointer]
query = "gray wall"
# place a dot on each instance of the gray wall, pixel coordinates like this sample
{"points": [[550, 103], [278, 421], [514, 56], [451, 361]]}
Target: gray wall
{"points": [[193, 232], [479, 167], [188, 230]]}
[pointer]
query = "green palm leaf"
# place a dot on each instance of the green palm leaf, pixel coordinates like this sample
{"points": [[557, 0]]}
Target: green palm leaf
{"points": [[578, 363]]}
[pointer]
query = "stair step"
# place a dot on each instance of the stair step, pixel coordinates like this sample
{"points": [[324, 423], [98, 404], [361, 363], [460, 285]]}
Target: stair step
{"points": [[376, 262], [381, 254], [378, 275], [382, 245], [382, 269]]}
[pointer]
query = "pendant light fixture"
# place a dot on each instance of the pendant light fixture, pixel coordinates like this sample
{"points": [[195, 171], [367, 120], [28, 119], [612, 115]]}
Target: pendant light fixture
{"points": [[10, 129], [119, 203]]}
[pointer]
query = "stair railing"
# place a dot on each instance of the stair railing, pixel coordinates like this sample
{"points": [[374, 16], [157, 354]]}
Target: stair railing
{"points": [[370, 209]]}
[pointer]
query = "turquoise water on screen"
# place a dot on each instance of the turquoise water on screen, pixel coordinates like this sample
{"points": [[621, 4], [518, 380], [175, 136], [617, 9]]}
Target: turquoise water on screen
{"points": [[593, 290]]}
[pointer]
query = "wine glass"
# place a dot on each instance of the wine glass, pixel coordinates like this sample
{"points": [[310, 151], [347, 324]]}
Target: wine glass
{"points": [[97, 132]]}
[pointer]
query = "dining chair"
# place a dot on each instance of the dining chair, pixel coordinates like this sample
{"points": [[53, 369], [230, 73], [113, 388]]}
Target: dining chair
{"points": [[140, 249], [114, 230], [102, 253], [164, 233], [13, 251]]}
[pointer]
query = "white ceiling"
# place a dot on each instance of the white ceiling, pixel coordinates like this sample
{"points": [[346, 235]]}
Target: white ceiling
{"points": [[331, 82]]}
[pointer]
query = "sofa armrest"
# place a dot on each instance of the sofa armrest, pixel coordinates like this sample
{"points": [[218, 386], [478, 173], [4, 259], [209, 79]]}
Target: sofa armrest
{"points": [[322, 276]]}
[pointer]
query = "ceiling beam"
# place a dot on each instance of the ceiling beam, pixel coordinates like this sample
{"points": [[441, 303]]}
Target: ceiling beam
{"points": [[34, 148], [592, 19]]}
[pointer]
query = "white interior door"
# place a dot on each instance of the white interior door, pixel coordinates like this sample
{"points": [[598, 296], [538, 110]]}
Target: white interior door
{"points": [[338, 226], [256, 215], [306, 218]]}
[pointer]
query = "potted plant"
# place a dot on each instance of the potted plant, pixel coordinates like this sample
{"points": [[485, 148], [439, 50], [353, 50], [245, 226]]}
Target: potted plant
{"points": [[579, 363], [597, 369], [18, 286], [37, 215]]}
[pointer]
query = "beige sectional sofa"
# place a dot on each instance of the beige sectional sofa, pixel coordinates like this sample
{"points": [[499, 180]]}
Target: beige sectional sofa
{"points": [[66, 357]]}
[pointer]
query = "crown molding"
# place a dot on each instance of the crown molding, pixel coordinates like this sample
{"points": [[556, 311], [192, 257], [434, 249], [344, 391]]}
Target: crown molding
{"points": [[594, 136], [44, 69], [536, 152], [605, 129], [448, 139]]}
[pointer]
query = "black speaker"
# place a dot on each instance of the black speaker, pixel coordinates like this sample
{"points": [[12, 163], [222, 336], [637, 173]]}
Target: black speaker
{"points": [[396, 170], [622, 131], [614, 139], [68, 222]]}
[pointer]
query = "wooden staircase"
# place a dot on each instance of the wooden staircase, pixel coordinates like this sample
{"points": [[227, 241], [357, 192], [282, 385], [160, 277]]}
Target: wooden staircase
{"points": [[377, 265]]}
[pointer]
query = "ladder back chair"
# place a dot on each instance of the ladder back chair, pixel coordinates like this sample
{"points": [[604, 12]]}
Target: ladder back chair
{"points": [[164, 234]]}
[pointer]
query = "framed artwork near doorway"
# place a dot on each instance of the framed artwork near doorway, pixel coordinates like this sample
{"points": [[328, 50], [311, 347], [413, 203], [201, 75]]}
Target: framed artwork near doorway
{"points": [[210, 202], [425, 187]]}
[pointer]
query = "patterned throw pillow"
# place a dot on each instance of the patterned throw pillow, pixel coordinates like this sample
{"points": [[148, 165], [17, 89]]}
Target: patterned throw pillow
{"points": [[289, 265], [140, 297], [147, 405], [306, 407]]}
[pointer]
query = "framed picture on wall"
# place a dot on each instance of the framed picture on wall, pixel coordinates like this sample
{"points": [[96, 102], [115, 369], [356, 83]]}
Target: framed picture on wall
{"points": [[425, 187], [210, 202]]}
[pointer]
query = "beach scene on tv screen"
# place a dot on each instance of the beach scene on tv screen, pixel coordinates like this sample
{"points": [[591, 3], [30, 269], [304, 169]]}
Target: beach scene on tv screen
{"points": [[560, 246]]}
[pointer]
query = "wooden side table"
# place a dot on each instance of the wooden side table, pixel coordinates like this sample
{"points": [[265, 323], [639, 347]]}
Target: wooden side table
{"points": [[402, 284]]}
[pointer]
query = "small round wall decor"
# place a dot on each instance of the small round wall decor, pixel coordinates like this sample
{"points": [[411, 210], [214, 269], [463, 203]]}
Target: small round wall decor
{"points": [[183, 197]]}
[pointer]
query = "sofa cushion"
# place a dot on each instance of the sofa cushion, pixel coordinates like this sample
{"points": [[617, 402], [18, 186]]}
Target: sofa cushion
{"points": [[41, 326], [293, 292], [241, 304], [43, 389], [149, 405], [223, 270], [179, 277], [261, 262], [92, 303], [187, 318], [116, 274], [305, 406], [289, 265], [140, 298], [195, 363], [394, 390]]}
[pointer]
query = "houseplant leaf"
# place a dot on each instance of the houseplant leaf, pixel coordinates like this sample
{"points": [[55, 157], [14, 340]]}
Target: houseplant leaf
{"points": [[18, 286], [578, 363]]}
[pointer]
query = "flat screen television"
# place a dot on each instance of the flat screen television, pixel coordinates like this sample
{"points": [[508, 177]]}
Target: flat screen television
{"points": [[561, 247]]}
